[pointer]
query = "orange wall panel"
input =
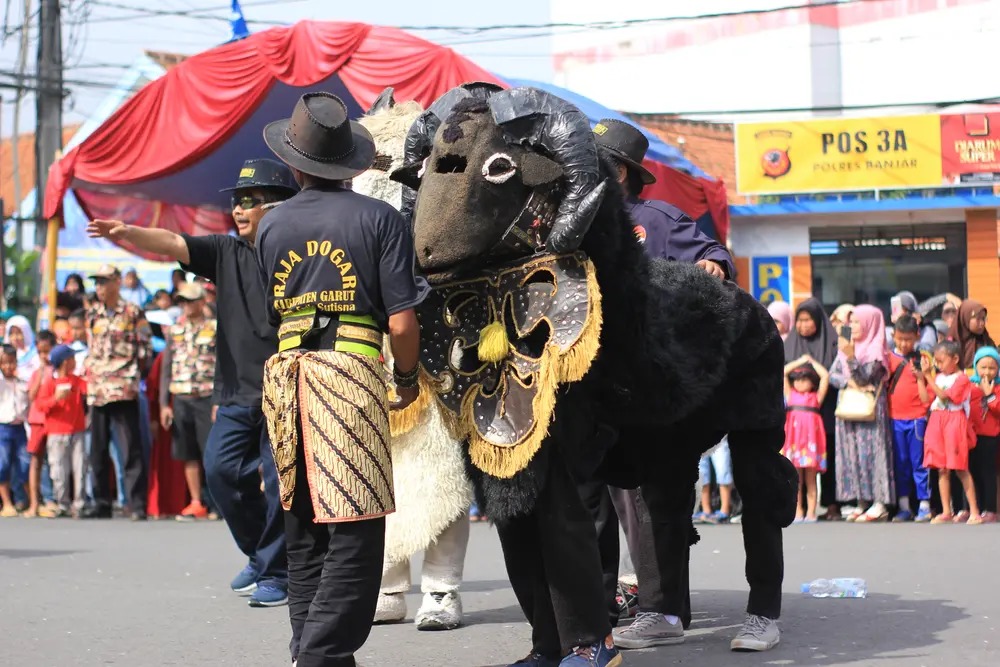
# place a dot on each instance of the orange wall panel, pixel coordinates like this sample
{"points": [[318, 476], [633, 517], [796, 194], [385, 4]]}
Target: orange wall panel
{"points": [[801, 279], [982, 245]]}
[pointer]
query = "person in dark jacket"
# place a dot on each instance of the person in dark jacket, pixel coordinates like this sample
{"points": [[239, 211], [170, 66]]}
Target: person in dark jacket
{"points": [[663, 229]]}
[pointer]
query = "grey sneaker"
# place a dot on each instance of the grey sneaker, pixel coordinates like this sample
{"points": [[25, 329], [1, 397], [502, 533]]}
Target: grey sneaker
{"points": [[759, 633], [649, 629]]}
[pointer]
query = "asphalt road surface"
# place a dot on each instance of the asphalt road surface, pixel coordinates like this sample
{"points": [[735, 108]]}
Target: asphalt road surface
{"points": [[117, 593]]}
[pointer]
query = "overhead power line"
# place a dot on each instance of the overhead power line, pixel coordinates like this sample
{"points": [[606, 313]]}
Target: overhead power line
{"points": [[609, 24], [846, 107], [143, 12]]}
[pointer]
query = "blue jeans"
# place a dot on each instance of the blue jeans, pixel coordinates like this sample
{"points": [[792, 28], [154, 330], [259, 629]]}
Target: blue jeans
{"points": [[14, 460], [908, 443], [237, 445]]}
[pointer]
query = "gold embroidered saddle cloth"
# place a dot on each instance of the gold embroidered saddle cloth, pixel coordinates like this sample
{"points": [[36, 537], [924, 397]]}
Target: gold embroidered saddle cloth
{"points": [[497, 345], [335, 401]]}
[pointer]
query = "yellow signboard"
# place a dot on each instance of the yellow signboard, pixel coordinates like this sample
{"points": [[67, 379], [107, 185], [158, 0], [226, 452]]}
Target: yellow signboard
{"points": [[838, 154]]}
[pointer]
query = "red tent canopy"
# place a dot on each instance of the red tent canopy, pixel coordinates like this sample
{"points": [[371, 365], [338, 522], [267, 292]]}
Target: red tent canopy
{"points": [[160, 160]]}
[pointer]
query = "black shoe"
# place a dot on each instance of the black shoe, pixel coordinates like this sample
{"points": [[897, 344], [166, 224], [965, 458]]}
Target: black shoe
{"points": [[95, 512], [138, 516]]}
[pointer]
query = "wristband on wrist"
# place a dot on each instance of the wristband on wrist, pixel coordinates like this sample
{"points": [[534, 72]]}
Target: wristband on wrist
{"points": [[408, 379]]}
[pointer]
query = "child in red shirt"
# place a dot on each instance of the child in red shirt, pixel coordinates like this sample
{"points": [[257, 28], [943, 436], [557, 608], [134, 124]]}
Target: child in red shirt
{"points": [[44, 343], [985, 416], [909, 401], [62, 398]]}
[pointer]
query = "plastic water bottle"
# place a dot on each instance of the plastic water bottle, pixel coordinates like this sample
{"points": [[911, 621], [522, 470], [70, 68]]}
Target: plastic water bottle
{"points": [[836, 588]]}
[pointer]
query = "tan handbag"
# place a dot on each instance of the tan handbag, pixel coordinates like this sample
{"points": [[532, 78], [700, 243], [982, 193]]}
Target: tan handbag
{"points": [[857, 405]]}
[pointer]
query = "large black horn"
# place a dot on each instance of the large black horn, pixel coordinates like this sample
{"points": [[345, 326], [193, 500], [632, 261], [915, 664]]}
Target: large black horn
{"points": [[539, 118], [420, 137], [385, 100]]}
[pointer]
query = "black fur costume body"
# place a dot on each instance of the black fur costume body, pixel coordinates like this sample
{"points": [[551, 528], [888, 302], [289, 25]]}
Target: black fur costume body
{"points": [[684, 358]]}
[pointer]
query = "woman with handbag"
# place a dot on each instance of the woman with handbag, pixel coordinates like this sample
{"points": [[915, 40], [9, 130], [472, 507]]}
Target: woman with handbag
{"points": [[863, 440], [813, 335]]}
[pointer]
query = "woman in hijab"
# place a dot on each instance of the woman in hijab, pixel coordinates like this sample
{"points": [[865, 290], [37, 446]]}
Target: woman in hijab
{"points": [[864, 449], [21, 337], [968, 330], [813, 334], [781, 313]]}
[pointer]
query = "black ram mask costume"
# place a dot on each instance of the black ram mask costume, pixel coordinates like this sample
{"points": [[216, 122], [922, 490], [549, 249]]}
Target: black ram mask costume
{"points": [[549, 320], [560, 353]]}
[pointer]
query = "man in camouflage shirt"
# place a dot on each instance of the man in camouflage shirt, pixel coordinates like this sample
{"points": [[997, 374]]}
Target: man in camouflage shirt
{"points": [[188, 378], [119, 343]]}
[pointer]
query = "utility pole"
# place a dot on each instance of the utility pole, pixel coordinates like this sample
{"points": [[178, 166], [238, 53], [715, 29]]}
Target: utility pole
{"points": [[15, 140], [48, 132]]}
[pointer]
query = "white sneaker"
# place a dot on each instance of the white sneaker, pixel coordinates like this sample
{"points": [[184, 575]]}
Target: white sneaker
{"points": [[391, 608], [759, 633], [440, 611]]}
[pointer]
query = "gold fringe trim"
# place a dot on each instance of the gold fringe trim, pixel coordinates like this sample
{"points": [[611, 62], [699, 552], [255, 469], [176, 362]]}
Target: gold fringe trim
{"points": [[405, 420], [555, 368]]}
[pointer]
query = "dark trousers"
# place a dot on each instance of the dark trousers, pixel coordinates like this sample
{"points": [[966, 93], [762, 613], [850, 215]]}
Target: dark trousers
{"points": [[334, 575], [598, 501], [983, 468], [665, 533], [554, 566], [237, 446], [122, 418]]}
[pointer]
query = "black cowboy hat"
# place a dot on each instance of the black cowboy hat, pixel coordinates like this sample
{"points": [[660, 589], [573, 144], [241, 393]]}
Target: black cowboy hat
{"points": [[624, 143], [265, 174], [319, 139]]}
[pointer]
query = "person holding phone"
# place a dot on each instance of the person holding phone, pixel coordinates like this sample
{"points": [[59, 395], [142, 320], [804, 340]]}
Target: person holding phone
{"points": [[909, 401], [864, 452]]}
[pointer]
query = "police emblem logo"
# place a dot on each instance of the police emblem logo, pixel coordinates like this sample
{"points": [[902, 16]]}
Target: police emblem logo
{"points": [[774, 159], [640, 233]]}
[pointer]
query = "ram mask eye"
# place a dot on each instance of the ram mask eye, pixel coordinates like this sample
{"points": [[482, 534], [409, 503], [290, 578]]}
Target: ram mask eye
{"points": [[499, 168]]}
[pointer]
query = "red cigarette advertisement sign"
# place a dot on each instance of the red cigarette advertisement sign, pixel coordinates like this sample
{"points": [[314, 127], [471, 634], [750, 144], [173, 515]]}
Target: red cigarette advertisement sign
{"points": [[970, 148]]}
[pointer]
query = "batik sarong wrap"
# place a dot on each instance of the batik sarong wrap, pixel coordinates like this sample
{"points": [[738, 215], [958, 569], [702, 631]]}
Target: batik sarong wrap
{"points": [[336, 402]]}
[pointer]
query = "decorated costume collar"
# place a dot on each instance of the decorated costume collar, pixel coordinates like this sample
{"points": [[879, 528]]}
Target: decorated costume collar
{"points": [[497, 345]]}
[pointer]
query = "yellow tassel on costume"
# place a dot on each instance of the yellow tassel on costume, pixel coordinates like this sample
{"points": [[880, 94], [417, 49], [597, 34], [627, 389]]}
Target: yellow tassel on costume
{"points": [[493, 343]]}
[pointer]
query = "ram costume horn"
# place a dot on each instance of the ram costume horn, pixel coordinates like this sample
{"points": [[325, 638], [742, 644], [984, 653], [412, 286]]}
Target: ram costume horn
{"points": [[558, 350], [433, 493]]}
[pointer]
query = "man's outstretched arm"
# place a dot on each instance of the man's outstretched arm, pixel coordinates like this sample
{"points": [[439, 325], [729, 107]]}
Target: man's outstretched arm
{"points": [[159, 241]]}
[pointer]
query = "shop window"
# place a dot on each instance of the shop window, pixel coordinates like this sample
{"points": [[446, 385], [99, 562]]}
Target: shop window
{"points": [[872, 263]]}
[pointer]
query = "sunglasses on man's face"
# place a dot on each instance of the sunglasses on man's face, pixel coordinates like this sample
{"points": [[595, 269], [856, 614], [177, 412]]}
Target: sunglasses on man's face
{"points": [[247, 202]]}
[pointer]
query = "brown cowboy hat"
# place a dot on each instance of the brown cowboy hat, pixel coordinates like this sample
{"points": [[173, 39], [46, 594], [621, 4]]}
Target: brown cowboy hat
{"points": [[624, 143], [319, 139]]}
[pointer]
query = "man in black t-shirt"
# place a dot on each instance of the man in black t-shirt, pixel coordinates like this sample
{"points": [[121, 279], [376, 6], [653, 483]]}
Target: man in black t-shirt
{"points": [[339, 274], [238, 445]]}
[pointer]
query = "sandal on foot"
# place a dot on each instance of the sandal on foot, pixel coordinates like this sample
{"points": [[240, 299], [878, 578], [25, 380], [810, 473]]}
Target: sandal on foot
{"points": [[974, 520], [943, 518]]}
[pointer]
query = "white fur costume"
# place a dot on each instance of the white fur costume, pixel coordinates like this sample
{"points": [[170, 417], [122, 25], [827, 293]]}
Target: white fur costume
{"points": [[432, 491]]}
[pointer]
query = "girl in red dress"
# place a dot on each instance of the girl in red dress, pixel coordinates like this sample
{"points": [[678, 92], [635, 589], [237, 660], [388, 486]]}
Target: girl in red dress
{"points": [[806, 384], [949, 435]]}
